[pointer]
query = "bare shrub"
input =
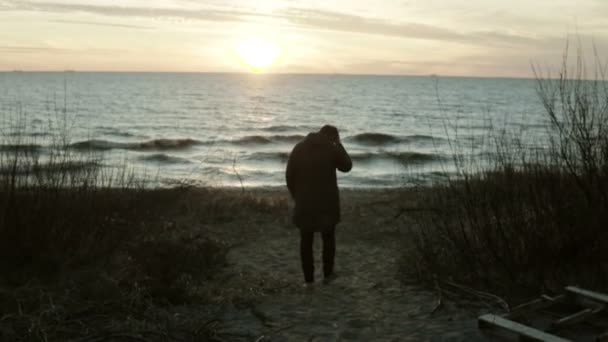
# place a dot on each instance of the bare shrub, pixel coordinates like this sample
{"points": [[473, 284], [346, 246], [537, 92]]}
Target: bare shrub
{"points": [[535, 219], [58, 207], [171, 266], [83, 248]]}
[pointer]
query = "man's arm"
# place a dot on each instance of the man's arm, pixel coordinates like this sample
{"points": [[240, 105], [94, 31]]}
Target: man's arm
{"points": [[343, 161], [290, 173]]}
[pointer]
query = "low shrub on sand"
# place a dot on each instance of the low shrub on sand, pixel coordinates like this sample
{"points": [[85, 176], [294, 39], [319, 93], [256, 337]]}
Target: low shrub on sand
{"points": [[87, 252], [535, 220]]}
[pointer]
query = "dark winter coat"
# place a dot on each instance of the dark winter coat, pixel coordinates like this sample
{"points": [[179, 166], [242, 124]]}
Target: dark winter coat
{"points": [[311, 180]]}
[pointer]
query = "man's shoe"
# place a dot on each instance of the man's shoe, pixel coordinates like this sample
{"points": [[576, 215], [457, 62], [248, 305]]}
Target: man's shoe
{"points": [[308, 285]]}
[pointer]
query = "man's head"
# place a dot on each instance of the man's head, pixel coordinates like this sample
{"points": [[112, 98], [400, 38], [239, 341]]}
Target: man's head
{"points": [[331, 132]]}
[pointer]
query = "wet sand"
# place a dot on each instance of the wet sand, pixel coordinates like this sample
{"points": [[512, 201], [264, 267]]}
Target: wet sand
{"points": [[259, 295]]}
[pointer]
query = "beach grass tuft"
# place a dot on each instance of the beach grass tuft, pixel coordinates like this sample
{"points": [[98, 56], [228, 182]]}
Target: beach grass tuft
{"points": [[90, 252]]}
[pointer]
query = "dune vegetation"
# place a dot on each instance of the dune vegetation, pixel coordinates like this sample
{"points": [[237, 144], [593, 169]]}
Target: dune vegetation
{"points": [[90, 252], [536, 219]]}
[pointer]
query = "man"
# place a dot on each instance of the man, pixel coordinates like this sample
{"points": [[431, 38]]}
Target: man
{"points": [[311, 180]]}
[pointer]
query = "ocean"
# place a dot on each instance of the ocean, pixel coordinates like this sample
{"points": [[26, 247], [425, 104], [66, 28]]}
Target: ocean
{"points": [[238, 129]]}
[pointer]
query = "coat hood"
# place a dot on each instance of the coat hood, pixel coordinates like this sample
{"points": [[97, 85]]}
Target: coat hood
{"points": [[317, 138]]}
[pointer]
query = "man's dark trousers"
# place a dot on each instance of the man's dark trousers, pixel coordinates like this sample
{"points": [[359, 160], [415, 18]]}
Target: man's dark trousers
{"points": [[306, 253]]}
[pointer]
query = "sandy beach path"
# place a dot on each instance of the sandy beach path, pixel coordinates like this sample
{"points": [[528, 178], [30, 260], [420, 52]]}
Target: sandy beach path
{"points": [[365, 303]]}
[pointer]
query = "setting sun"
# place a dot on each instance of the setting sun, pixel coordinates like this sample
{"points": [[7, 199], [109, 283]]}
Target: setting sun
{"points": [[257, 54]]}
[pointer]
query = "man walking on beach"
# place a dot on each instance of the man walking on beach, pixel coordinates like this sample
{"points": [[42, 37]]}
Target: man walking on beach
{"points": [[311, 180]]}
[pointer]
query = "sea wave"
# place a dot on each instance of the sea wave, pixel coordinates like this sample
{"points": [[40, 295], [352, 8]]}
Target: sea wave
{"points": [[287, 128], [253, 139], [274, 156], [156, 144], [20, 148], [414, 157], [407, 157], [162, 158], [288, 138], [97, 145], [279, 128], [167, 144], [374, 138], [262, 139], [115, 132], [370, 138], [421, 138], [28, 134]]}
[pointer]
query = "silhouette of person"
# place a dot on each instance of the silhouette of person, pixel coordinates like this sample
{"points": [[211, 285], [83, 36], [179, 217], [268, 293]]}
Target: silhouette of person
{"points": [[311, 180]]}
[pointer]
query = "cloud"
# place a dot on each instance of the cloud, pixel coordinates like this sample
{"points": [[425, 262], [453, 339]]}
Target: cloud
{"points": [[334, 21], [313, 19], [53, 50], [6, 4], [31, 49], [94, 23], [122, 11]]}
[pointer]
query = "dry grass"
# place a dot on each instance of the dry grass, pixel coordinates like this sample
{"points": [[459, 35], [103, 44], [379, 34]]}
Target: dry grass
{"points": [[125, 282], [535, 220], [87, 253]]}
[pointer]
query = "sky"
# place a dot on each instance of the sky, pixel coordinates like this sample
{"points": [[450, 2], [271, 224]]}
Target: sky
{"points": [[483, 38]]}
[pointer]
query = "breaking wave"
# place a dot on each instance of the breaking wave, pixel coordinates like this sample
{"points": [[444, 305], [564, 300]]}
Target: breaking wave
{"points": [[363, 157], [162, 158], [374, 138], [387, 139], [402, 157], [20, 148], [279, 128], [260, 139], [156, 144]]}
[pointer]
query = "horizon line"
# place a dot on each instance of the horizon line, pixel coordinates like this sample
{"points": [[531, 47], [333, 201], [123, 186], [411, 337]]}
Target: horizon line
{"points": [[262, 74]]}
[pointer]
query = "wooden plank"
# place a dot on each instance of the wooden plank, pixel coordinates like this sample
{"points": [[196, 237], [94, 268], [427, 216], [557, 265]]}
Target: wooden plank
{"points": [[531, 305], [574, 318], [554, 299], [594, 296], [495, 321], [537, 304]]}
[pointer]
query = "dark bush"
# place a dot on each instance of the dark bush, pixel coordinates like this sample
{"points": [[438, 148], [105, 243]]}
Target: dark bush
{"points": [[535, 220], [171, 266]]}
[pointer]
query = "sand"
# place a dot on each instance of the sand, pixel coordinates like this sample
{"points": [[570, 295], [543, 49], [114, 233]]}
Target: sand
{"points": [[259, 295]]}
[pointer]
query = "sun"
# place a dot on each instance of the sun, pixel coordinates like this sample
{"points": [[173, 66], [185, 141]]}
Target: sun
{"points": [[257, 53]]}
